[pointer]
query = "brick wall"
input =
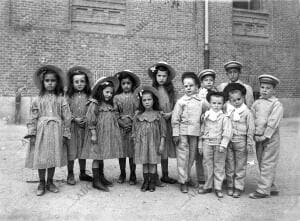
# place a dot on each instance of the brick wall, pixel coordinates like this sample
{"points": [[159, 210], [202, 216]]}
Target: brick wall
{"points": [[34, 32]]}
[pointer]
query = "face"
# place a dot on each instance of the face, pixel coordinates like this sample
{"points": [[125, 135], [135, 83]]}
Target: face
{"points": [[147, 101], [233, 74], [126, 85], [266, 90], [216, 103], [161, 77], [50, 81], [236, 99], [207, 82], [190, 87], [108, 93], [79, 82]]}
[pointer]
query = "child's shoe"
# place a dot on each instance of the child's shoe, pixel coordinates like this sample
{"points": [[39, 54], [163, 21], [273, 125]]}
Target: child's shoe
{"points": [[51, 186], [104, 181], [158, 183], [166, 179], [132, 178], [219, 193], [257, 195], [230, 191], [237, 193], [145, 185], [85, 177], [122, 178], [96, 181], [71, 179], [152, 182], [41, 188], [204, 191], [184, 188]]}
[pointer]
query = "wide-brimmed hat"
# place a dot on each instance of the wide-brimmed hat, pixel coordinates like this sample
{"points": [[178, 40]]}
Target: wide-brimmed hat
{"points": [[207, 72], [133, 75], [153, 68], [233, 87], [38, 75], [233, 64], [106, 80], [145, 88], [79, 70]]}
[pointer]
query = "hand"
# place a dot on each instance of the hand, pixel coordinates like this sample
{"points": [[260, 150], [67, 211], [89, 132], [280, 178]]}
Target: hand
{"points": [[200, 150], [260, 138], [94, 139], [161, 149], [128, 129], [222, 149], [32, 140], [65, 140], [176, 140], [82, 123], [167, 116]]}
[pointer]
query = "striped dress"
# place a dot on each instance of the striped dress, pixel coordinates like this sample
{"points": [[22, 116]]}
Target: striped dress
{"points": [[148, 128], [102, 118], [166, 106], [126, 105], [78, 107], [49, 122]]}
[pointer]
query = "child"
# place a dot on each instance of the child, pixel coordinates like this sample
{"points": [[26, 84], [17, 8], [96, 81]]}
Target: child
{"points": [[268, 112], [48, 127], [78, 93], [126, 105], [102, 137], [207, 79], [216, 133], [149, 132], [162, 75], [186, 128], [242, 138], [233, 70]]}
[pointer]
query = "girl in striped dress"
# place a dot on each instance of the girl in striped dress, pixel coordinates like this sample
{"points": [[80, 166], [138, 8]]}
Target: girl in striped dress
{"points": [[162, 75], [48, 127], [126, 104], [78, 93], [149, 132], [102, 136]]}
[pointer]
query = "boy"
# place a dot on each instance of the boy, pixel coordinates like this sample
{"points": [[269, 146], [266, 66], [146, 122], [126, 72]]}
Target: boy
{"points": [[268, 112], [207, 78], [242, 138], [186, 128], [215, 136], [233, 71]]}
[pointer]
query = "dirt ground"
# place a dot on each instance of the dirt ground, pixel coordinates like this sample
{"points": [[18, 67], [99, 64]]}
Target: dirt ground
{"points": [[125, 202]]}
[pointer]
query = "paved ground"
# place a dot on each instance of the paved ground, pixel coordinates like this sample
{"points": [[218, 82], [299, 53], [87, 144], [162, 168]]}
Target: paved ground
{"points": [[124, 202]]}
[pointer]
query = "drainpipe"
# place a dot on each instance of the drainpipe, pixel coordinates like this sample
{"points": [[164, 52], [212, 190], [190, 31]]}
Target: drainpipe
{"points": [[206, 36]]}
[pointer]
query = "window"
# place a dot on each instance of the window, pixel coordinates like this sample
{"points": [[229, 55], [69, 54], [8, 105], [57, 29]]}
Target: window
{"points": [[248, 4]]}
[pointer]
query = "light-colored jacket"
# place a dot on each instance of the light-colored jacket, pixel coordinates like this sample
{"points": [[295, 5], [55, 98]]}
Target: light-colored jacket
{"points": [[267, 116], [187, 114]]}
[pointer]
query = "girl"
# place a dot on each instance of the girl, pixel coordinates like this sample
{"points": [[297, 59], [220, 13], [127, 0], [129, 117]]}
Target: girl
{"points": [[215, 136], [78, 93], [102, 137], [242, 139], [149, 132], [48, 127], [162, 75], [126, 105], [186, 128]]}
